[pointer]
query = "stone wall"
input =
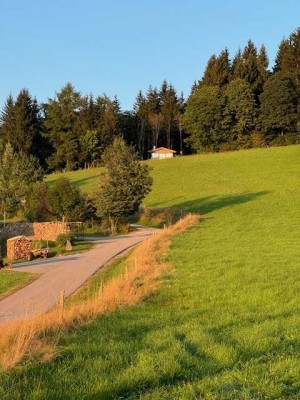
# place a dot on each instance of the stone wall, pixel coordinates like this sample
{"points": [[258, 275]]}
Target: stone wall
{"points": [[36, 230]]}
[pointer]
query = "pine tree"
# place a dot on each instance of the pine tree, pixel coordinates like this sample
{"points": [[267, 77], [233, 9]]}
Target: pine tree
{"points": [[21, 123], [237, 67], [218, 70], [141, 113], [107, 120], [250, 68], [288, 57], [7, 121], [278, 110], [124, 185], [169, 107], [62, 126], [153, 101], [179, 120], [262, 63], [210, 73], [240, 111], [203, 119]]}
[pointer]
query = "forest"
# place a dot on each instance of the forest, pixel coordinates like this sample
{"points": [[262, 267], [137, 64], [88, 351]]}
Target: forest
{"points": [[238, 103]]}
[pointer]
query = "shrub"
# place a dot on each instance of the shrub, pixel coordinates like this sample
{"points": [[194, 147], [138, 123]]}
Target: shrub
{"points": [[257, 139], [286, 140], [62, 239]]}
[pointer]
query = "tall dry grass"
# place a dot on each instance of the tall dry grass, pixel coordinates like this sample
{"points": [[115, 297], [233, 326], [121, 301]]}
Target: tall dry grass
{"points": [[38, 336]]}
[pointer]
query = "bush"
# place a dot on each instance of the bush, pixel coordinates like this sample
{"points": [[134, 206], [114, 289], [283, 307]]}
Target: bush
{"points": [[158, 217], [286, 140], [62, 239], [257, 139]]}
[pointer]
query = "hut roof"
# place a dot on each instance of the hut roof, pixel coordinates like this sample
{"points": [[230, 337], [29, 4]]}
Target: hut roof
{"points": [[162, 150]]}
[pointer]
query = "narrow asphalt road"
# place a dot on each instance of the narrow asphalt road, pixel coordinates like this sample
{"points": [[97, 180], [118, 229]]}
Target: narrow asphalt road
{"points": [[63, 273]]}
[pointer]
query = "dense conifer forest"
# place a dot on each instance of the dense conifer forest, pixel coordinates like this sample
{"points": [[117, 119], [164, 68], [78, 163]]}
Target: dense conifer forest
{"points": [[238, 103]]}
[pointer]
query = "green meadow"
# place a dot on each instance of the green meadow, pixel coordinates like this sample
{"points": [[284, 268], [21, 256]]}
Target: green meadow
{"points": [[225, 322], [86, 179], [11, 281]]}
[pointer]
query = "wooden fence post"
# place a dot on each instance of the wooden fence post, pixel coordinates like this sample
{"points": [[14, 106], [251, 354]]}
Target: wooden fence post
{"points": [[61, 303]]}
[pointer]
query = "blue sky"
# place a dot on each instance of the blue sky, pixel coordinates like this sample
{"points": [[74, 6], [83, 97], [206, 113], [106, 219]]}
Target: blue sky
{"points": [[119, 47]]}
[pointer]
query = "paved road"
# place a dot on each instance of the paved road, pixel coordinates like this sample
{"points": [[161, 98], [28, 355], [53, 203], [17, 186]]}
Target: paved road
{"points": [[63, 273]]}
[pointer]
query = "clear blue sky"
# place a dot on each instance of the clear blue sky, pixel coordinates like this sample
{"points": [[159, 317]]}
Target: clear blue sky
{"points": [[121, 46]]}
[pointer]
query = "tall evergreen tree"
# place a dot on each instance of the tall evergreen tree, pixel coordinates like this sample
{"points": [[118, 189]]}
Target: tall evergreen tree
{"points": [[262, 64], [21, 123], [7, 121], [250, 67], [123, 186], [107, 120], [278, 110], [288, 57], [237, 66], [209, 76], [203, 119], [63, 128], [154, 115], [169, 108], [141, 112], [218, 70], [180, 121], [240, 111]]}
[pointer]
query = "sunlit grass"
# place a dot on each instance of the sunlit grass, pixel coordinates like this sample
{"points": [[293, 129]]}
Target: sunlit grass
{"points": [[225, 323], [86, 179], [11, 281]]}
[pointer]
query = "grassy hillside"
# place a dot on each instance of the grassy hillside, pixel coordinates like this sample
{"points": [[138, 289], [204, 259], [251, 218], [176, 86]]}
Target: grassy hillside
{"points": [[86, 179], [225, 323]]}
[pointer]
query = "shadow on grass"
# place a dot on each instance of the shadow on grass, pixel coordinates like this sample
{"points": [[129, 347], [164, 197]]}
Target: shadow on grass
{"points": [[85, 181], [159, 216], [209, 204]]}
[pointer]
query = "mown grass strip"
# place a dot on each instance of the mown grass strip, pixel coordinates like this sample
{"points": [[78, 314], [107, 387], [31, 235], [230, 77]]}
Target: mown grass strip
{"points": [[11, 281]]}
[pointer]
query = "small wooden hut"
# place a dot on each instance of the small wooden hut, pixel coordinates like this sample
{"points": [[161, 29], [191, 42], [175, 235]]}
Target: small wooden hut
{"points": [[161, 153]]}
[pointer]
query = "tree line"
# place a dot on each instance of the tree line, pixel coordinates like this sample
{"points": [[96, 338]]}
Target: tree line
{"points": [[123, 185], [238, 103]]}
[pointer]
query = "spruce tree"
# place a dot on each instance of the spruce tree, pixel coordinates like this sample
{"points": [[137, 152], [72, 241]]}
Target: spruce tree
{"points": [[124, 185], [153, 100], [21, 123], [7, 121], [240, 111], [278, 109], [218, 70], [62, 127], [237, 66], [141, 113], [203, 119], [288, 57], [169, 107]]}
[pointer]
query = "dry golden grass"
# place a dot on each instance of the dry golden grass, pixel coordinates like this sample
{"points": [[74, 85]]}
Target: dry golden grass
{"points": [[37, 336]]}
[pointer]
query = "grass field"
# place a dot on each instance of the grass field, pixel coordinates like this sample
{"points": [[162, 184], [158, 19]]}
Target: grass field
{"points": [[225, 323], [11, 281], [86, 179]]}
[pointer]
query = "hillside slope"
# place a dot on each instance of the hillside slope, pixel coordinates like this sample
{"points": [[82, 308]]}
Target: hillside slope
{"points": [[225, 323]]}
